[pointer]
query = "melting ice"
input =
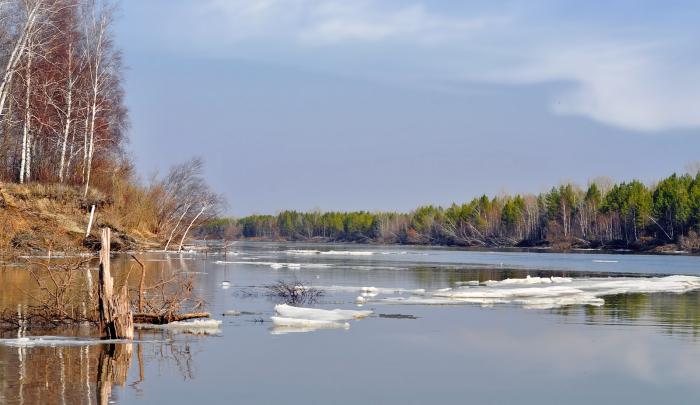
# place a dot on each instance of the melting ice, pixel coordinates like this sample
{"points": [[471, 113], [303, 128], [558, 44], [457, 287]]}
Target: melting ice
{"points": [[549, 292]]}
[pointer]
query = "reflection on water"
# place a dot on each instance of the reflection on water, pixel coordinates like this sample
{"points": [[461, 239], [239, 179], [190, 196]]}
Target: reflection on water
{"points": [[85, 374], [62, 374], [642, 348]]}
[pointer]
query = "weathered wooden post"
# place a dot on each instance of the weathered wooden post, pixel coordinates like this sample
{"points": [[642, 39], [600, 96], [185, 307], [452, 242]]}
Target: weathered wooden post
{"points": [[116, 319]]}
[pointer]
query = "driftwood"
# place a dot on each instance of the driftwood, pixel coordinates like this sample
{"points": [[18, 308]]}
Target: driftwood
{"points": [[115, 318], [161, 319]]}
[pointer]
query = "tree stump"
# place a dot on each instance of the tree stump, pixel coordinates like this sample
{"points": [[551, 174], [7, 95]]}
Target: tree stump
{"points": [[116, 319]]}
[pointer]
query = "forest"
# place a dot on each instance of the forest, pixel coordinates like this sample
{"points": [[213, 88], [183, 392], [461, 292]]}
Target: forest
{"points": [[628, 215], [63, 131]]}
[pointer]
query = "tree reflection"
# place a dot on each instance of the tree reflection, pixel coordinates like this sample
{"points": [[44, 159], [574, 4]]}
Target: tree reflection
{"points": [[670, 313], [86, 374]]}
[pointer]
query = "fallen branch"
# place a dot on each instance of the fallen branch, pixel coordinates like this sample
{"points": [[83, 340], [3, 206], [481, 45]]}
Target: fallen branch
{"points": [[161, 319]]}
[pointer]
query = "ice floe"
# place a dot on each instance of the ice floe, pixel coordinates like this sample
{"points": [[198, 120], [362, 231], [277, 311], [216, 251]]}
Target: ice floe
{"points": [[371, 291], [529, 280], [278, 265], [196, 327], [305, 252], [51, 341], [545, 293], [288, 311], [298, 319], [308, 324]]}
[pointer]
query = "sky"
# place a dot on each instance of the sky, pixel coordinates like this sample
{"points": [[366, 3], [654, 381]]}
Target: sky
{"points": [[387, 105]]}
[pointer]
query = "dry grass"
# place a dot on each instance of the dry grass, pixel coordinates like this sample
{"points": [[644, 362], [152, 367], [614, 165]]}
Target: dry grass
{"points": [[38, 217]]}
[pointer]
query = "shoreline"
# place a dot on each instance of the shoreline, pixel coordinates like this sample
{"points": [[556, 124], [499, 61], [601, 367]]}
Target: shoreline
{"points": [[528, 249]]}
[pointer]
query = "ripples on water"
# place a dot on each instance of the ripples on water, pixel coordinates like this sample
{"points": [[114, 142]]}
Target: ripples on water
{"points": [[635, 347]]}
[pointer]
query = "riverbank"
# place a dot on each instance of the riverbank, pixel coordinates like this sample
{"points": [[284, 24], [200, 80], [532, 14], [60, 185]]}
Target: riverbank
{"points": [[39, 217]]}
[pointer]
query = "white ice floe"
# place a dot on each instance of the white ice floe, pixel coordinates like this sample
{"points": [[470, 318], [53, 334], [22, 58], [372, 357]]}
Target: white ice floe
{"points": [[196, 327], [288, 311], [308, 252], [537, 293], [309, 324], [471, 282], [529, 280], [52, 341], [426, 300], [302, 252], [371, 290], [278, 265], [605, 261], [347, 253]]}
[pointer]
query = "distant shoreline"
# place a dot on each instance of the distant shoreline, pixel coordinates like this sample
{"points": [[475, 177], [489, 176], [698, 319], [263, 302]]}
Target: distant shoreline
{"points": [[664, 250]]}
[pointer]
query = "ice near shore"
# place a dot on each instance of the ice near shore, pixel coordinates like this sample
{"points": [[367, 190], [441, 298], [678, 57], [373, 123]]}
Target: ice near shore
{"points": [[196, 327], [55, 341]]}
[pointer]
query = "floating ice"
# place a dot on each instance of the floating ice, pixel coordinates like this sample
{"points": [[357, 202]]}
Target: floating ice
{"points": [[309, 324], [545, 293], [310, 252], [348, 253], [371, 290], [39, 341], [472, 282], [529, 280], [276, 265], [196, 327], [288, 311], [302, 252], [283, 330]]}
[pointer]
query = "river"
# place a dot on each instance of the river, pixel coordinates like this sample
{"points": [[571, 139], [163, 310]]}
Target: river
{"points": [[445, 328]]}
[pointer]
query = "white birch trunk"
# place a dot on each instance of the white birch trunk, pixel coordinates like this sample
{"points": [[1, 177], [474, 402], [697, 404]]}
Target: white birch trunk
{"points": [[69, 110], [184, 235], [177, 225], [23, 168], [96, 82], [16, 54]]}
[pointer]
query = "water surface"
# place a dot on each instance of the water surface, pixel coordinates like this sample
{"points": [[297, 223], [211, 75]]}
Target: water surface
{"points": [[641, 348]]}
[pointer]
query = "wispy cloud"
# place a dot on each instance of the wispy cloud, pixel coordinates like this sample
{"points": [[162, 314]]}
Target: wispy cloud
{"points": [[627, 81], [319, 22]]}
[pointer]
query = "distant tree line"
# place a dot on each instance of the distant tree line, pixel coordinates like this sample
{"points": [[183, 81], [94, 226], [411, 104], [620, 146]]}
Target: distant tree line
{"points": [[625, 215]]}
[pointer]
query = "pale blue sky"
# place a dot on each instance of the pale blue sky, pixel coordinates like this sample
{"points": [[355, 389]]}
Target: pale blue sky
{"points": [[385, 105]]}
